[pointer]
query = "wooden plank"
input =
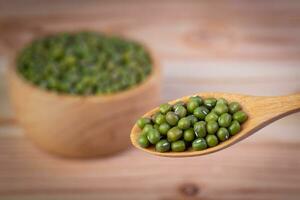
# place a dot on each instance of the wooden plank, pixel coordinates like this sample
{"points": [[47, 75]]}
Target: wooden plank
{"points": [[227, 30], [6, 114], [257, 78], [235, 46], [254, 169]]}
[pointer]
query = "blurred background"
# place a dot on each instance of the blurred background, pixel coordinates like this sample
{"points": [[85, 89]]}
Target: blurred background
{"points": [[249, 47]]}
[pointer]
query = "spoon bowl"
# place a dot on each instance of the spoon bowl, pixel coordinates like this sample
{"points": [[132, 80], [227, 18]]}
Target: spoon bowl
{"points": [[261, 111]]}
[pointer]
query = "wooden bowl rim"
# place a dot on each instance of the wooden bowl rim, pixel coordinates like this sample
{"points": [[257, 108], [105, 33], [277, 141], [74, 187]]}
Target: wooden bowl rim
{"points": [[14, 76]]}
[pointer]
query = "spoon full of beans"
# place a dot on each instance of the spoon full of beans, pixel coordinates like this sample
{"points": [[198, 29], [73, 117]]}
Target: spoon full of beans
{"points": [[207, 122]]}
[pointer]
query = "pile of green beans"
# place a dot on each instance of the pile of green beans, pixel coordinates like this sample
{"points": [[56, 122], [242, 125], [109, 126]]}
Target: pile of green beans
{"points": [[84, 63], [197, 124]]}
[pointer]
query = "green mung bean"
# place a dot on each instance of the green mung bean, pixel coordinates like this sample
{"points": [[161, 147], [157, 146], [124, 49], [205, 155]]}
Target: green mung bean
{"points": [[196, 124], [84, 63]]}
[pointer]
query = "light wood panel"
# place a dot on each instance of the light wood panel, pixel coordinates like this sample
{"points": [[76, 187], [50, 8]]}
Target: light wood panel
{"points": [[175, 29], [249, 47], [254, 169]]}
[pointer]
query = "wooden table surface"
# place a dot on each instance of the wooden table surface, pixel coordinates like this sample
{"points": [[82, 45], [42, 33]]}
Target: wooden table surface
{"points": [[250, 47]]}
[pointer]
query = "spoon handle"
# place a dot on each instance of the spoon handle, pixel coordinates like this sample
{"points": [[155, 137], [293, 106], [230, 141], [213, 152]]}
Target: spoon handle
{"points": [[269, 109]]}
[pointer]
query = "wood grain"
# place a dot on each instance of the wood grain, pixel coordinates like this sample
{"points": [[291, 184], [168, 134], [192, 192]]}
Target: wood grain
{"points": [[249, 47], [254, 169], [193, 29]]}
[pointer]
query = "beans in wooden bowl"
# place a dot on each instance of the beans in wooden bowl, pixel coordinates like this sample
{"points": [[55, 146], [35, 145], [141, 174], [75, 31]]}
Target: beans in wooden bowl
{"points": [[84, 63]]}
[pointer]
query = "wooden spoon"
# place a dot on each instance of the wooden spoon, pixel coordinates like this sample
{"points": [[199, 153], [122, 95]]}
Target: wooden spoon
{"points": [[261, 112]]}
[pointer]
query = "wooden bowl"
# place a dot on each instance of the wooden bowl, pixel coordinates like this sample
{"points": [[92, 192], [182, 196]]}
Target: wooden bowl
{"points": [[77, 126]]}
